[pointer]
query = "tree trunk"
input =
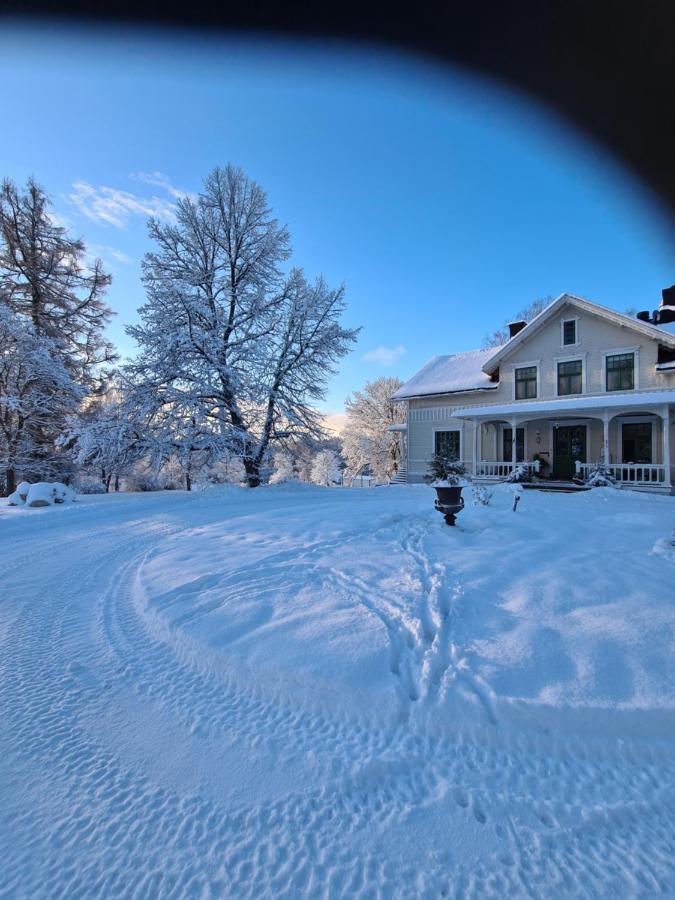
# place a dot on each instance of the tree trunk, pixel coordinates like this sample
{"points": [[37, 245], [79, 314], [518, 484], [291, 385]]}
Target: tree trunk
{"points": [[188, 482], [107, 483], [252, 469], [117, 483], [10, 478]]}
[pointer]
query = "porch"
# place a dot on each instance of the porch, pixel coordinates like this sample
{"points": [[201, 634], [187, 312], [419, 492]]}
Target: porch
{"points": [[563, 440]]}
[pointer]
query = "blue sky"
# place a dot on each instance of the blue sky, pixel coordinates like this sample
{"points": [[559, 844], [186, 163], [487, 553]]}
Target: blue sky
{"points": [[444, 203]]}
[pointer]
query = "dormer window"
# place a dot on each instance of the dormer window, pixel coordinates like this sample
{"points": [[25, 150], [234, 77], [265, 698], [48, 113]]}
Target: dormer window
{"points": [[569, 335]]}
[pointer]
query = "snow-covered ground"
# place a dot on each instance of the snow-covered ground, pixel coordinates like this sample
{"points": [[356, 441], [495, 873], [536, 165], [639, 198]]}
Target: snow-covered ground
{"points": [[298, 691]]}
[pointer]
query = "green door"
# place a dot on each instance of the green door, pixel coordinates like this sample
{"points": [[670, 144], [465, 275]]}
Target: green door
{"points": [[569, 446]]}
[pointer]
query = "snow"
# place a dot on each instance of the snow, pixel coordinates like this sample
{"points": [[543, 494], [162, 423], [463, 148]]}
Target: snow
{"points": [[561, 405], [303, 691], [449, 375]]}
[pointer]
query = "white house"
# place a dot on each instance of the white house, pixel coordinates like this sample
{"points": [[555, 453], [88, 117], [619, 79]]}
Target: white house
{"points": [[578, 385]]}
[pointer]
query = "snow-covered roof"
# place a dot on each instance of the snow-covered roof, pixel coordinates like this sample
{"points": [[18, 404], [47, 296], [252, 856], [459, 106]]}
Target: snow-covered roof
{"points": [[450, 375], [566, 405]]}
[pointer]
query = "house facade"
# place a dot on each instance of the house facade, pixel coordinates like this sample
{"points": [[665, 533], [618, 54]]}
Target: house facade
{"points": [[578, 385]]}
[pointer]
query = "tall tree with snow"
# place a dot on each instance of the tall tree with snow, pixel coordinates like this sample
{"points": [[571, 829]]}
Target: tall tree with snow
{"points": [[37, 394], [46, 279], [366, 440], [226, 327]]}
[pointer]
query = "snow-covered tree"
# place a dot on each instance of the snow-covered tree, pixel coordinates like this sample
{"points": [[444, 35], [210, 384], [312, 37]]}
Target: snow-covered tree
{"points": [[284, 468], [366, 440], [326, 468], [36, 391], [45, 279], [106, 439], [176, 428], [526, 314], [224, 327]]}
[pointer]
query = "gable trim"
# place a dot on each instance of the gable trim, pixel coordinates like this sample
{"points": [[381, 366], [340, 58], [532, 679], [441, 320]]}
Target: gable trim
{"points": [[650, 331]]}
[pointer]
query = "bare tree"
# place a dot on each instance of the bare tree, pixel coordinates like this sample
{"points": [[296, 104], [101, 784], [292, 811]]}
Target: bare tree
{"points": [[501, 335]]}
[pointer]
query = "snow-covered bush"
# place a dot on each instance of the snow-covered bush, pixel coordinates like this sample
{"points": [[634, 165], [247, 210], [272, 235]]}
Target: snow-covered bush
{"points": [[326, 468], [284, 468], [481, 496], [89, 484], [444, 471], [600, 476], [519, 474]]}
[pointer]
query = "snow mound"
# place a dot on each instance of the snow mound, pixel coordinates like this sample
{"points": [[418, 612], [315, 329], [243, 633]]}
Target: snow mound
{"points": [[42, 493]]}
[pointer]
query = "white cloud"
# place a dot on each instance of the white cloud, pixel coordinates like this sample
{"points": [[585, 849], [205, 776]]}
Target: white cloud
{"points": [[385, 356], [115, 207], [159, 179], [109, 255]]}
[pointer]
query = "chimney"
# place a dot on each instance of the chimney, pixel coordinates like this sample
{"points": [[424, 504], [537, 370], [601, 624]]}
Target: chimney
{"points": [[515, 327], [668, 296]]}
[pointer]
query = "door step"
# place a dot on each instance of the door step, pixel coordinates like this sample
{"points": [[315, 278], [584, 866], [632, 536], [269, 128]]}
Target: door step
{"points": [[561, 487]]}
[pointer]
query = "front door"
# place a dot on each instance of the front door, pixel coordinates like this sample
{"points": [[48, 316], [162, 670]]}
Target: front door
{"points": [[569, 446]]}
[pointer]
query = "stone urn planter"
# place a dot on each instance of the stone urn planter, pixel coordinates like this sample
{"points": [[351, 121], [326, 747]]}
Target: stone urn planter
{"points": [[449, 501], [444, 476]]}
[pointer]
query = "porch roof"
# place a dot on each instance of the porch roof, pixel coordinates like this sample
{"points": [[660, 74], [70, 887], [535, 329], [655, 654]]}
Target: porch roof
{"points": [[566, 405]]}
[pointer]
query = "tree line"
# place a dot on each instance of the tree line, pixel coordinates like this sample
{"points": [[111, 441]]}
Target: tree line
{"points": [[235, 343]]}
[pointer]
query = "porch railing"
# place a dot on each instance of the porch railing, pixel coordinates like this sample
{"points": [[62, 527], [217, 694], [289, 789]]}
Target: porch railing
{"points": [[498, 469], [628, 473]]}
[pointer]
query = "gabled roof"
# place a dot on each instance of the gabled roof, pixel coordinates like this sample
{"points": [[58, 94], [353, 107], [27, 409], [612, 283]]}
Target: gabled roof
{"points": [[449, 375], [651, 331]]}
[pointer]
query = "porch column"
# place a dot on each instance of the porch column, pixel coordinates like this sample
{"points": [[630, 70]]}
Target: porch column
{"points": [[665, 424], [605, 437], [476, 426], [514, 441]]}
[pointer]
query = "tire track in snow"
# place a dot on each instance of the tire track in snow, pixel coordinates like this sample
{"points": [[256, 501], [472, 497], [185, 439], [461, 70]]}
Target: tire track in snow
{"points": [[563, 819]]}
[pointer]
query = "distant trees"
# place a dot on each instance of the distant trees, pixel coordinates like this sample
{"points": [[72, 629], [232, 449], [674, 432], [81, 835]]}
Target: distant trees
{"points": [[366, 440], [526, 314], [226, 332], [326, 468]]}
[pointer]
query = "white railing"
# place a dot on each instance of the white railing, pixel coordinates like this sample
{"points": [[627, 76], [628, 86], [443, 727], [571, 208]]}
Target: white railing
{"points": [[628, 473], [500, 469]]}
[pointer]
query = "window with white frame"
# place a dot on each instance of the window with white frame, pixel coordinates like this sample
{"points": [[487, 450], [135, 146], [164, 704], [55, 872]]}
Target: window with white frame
{"points": [[620, 372], [569, 332], [447, 444], [570, 377], [526, 383]]}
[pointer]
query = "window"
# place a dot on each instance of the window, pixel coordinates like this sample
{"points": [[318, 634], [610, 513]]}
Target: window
{"points": [[447, 444], [620, 372], [526, 383], [570, 332], [636, 442], [569, 377], [507, 448]]}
